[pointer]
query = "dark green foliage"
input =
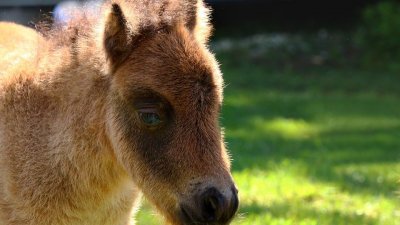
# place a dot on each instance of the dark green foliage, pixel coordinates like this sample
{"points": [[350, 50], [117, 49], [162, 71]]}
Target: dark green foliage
{"points": [[379, 34], [297, 51]]}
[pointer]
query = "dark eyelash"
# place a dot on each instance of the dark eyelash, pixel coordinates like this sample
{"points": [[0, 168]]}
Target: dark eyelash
{"points": [[143, 104]]}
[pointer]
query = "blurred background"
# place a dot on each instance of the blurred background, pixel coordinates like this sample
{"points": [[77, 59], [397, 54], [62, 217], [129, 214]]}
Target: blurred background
{"points": [[312, 106]]}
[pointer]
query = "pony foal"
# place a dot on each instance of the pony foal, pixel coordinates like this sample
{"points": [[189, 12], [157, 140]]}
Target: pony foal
{"points": [[98, 112]]}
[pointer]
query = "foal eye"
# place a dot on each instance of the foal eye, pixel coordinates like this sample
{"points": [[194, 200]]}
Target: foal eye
{"points": [[150, 116], [152, 119]]}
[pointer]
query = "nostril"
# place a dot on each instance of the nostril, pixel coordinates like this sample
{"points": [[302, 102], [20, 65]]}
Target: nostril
{"points": [[213, 205]]}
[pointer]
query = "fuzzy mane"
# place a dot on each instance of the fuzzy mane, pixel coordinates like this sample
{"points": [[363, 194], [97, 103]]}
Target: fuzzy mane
{"points": [[142, 17], [83, 40]]}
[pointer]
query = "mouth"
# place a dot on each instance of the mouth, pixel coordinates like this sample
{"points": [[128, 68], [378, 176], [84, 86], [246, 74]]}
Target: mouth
{"points": [[186, 218]]}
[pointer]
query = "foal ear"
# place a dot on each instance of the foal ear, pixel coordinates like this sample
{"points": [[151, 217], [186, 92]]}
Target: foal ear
{"points": [[116, 35], [198, 20]]}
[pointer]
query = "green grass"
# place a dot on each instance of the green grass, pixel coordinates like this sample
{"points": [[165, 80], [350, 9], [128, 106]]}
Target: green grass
{"points": [[315, 147]]}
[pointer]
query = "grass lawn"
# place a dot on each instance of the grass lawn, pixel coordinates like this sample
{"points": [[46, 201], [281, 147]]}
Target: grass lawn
{"points": [[317, 146]]}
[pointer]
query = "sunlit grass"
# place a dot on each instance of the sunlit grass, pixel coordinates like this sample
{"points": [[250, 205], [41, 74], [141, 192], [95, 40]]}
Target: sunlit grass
{"points": [[316, 147], [287, 128], [288, 194]]}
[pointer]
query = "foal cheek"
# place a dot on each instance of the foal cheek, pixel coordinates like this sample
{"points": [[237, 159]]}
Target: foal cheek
{"points": [[145, 153]]}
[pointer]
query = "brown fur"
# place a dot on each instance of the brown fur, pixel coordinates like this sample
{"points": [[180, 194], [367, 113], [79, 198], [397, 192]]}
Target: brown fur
{"points": [[18, 46], [73, 149]]}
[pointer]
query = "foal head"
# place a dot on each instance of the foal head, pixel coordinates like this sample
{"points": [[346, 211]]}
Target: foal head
{"points": [[164, 105]]}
